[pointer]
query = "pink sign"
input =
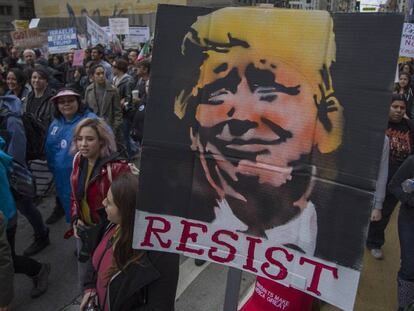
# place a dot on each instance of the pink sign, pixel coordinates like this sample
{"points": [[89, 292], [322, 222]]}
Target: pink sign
{"points": [[78, 57]]}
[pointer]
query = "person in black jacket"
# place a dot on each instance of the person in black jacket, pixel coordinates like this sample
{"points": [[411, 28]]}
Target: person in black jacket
{"points": [[400, 133], [405, 232], [123, 277]]}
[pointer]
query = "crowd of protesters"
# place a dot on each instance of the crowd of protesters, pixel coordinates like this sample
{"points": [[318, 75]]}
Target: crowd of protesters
{"points": [[92, 117]]}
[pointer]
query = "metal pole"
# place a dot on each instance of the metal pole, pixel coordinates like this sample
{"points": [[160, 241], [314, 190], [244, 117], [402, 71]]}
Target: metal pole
{"points": [[231, 299]]}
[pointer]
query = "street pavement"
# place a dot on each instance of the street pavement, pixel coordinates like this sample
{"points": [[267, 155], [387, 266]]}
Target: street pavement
{"points": [[199, 289]]}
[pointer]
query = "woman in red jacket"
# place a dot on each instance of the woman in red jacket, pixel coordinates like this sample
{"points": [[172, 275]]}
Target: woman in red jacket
{"points": [[95, 164]]}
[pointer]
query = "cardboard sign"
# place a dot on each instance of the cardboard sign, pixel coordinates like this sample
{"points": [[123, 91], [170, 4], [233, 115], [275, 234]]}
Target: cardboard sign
{"points": [[62, 40], [29, 38], [78, 58], [137, 35], [407, 40], [119, 26], [262, 150], [96, 33]]}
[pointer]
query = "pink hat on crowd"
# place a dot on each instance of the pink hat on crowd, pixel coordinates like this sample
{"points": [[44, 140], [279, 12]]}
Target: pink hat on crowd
{"points": [[66, 92]]}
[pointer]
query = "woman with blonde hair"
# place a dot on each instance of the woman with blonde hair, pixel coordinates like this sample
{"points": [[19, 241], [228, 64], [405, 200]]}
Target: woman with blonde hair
{"points": [[95, 164]]}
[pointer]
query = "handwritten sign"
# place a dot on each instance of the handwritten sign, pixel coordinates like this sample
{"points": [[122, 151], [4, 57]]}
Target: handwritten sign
{"points": [[29, 38], [119, 26], [407, 41], [62, 40]]}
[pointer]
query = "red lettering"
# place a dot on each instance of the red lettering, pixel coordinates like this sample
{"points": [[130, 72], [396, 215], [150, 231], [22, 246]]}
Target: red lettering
{"points": [[156, 231], [232, 250], [250, 253], [187, 234], [317, 273], [283, 271]]}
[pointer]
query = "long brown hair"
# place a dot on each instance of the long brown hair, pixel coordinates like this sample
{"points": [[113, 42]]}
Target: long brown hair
{"points": [[124, 189]]}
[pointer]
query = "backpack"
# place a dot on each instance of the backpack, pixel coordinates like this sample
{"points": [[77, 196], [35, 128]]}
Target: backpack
{"points": [[35, 137], [21, 181]]}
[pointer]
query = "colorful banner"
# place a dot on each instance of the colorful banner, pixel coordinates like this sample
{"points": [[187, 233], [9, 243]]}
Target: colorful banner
{"points": [[78, 58], [62, 40], [29, 38], [262, 150], [407, 40], [53, 8]]}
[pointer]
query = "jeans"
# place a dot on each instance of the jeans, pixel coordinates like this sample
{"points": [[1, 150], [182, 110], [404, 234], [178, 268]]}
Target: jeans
{"points": [[28, 210], [130, 145], [376, 236], [406, 235]]}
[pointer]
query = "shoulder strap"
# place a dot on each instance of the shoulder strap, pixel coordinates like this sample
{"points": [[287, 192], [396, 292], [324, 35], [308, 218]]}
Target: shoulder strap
{"points": [[109, 169]]}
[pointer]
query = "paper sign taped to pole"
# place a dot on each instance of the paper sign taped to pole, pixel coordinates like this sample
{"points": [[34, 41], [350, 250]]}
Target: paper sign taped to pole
{"points": [[256, 150]]}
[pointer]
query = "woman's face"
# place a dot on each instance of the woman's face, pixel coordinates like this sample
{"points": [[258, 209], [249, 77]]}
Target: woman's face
{"points": [[68, 106], [403, 81], [38, 82], [99, 75], [406, 68], [112, 211], [56, 61], [88, 143], [11, 81]]}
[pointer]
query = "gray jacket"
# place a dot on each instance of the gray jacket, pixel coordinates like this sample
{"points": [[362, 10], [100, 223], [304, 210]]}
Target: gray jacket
{"points": [[110, 107]]}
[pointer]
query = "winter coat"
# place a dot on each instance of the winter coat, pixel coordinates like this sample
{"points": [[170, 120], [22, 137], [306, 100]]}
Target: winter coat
{"points": [[6, 266], [98, 185], [125, 86], [23, 93], [110, 108], [59, 158], [7, 205], [149, 284], [12, 129], [45, 111]]}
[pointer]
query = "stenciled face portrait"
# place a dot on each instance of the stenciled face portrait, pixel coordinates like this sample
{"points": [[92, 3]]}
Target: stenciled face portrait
{"points": [[259, 116]]}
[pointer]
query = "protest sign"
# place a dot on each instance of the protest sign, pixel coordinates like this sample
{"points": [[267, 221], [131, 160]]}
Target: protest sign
{"points": [[96, 33], [119, 26], [407, 40], [62, 40], [34, 22], [29, 38], [78, 58], [137, 35], [20, 24], [257, 153]]}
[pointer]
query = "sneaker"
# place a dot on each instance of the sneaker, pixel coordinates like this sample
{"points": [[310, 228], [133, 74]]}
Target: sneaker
{"points": [[57, 214], [40, 281], [38, 244], [199, 262], [377, 253]]}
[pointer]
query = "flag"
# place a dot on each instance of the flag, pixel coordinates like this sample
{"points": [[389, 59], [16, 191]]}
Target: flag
{"points": [[145, 52]]}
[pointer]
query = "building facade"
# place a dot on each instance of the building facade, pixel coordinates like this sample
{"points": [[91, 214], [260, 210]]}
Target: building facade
{"points": [[11, 10]]}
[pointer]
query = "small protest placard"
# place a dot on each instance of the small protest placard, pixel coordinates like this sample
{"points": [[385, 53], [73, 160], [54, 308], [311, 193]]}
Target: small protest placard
{"points": [[119, 26], [137, 35], [20, 24], [78, 58], [407, 40], [34, 23], [29, 38], [62, 40], [96, 33]]}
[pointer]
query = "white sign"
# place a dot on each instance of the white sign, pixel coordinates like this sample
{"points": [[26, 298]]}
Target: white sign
{"points": [[119, 26], [407, 41], [137, 35], [34, 23], [96, 33]]}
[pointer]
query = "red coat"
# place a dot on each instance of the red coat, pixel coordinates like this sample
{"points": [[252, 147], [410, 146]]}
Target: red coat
{"points": [[98, 185]]}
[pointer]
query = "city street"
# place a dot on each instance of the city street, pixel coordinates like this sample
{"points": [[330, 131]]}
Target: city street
{"points": [[200, 288]]}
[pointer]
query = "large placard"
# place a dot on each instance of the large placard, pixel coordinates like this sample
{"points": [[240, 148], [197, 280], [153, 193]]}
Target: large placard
{"points": [[263, 139]]}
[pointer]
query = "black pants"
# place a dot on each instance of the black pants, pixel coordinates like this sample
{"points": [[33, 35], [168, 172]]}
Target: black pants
{"points": [[21, 264], [376, 232]]}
